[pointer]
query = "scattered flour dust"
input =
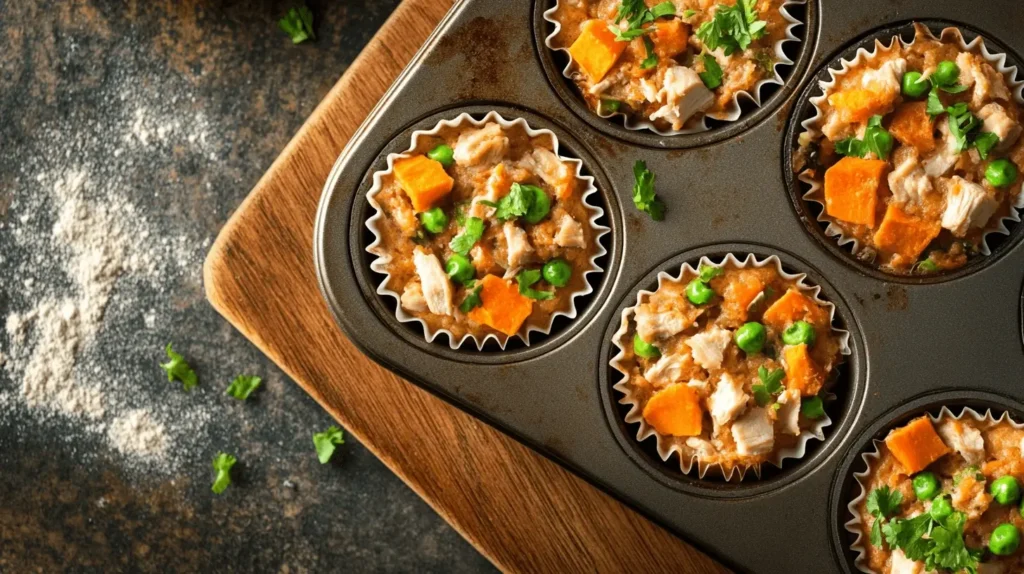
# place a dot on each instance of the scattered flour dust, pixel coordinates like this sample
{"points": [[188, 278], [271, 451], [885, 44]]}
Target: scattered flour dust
{"points": [[85, 251]]}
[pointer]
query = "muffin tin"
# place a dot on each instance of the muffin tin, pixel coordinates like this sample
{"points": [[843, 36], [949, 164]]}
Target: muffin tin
{"points": [[915, 344]]}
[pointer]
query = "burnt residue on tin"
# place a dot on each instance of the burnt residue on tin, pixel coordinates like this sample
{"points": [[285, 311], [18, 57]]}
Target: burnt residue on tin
{"points": [[487, 56]]}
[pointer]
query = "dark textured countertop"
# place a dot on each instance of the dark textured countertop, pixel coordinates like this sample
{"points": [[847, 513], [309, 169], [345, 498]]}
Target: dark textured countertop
{"points": [[152, 120]]}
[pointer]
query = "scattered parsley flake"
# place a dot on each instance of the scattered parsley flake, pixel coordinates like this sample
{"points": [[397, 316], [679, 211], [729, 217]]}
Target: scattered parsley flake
{"points": [[851, 146], [472, 231], [636, 14], [526, 278], [708, 272], [812, 408], [712, 74], [222, 464], [325, 443], [882, 503], [243, 386], [516, 203], [769, 387], [178, 369], [644, 197], [472, 299], [652, 59], [687, 14], [298, 24], [732, 28], [985, 142]]}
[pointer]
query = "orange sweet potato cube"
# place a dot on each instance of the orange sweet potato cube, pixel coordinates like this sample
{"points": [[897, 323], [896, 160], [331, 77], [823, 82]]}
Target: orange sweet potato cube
{"points": [[858, 105], [905, 234], [794, 306], [424, 180], [852, 188], [802, 373], [670, 38], [916, 445], [596, 50], [502, 307], [675, 411], [912, 126]]}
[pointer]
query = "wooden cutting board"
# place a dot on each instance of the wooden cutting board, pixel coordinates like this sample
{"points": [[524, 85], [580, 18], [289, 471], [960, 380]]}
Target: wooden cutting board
{"points": [[522, 511]]}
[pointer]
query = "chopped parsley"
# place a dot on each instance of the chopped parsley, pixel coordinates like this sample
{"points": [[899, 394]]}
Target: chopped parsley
{"points": [[851, 146], [732, 28], [326, 442], [934, 106], [472, 231], [515, 204], [876, 140], [985, 142], [298, 24], [712, 74], [652, 59], [178, 369], [812, 407], [636, 14], [882, 503], [769, 387], [708, 272], [644, 197], [687, 14], [222, 464], [928, 266], [243, 386], [472, 299], [526, 278]]}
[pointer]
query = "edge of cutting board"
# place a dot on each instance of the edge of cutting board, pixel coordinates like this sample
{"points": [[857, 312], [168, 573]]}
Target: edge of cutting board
{"points": [[522, 511]]}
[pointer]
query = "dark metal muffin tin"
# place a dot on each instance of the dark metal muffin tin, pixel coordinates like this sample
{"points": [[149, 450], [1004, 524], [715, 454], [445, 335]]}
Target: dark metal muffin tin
{"points": [[956, 340]]}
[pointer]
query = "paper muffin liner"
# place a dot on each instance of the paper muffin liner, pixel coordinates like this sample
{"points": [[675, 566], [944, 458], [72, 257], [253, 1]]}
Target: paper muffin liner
{"points": [[665, 445], [733, 111], [815, 193], [855, 524], [382, 258]]}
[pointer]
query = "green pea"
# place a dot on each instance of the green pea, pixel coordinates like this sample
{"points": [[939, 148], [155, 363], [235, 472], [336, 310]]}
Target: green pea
{"points": [[1005, 540], [941, 508], [926, 485], [540, 207], [913, 87], [557, 272], [698, 292], [799, 333], [443, 154], [607, 107], [1005, 490], [946, 73], [1001, 172], [434, 220], [644, 349], [750, 337], [460, 268]]}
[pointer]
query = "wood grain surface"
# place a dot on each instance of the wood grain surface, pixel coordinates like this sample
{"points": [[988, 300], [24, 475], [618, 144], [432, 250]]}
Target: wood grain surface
{"points": [[522, 511]]}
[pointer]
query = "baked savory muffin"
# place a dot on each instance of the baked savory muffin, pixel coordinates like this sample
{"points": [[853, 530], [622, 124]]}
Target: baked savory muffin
{"points": [[945, 498], [484, 231], [729, 364], [917, 149], [669, 62]]}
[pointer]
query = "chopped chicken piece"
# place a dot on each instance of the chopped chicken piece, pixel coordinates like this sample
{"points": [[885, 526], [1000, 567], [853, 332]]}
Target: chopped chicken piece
{"points": [[682, 94], [519, 248], [412, 298], [728, 400], [967, 205], [546, 164], [988, 83], [485, 146], [668, 369], [570, 233], [709, 347], [996, 120], [908, 182], [397, 207], [753, 433], [653, 326], [437, 289], [900, 564], [789, 413], [945, 155], [496, 187], [970, 496], [964, 439], [886, 79], [699, 385], [704, 448]]}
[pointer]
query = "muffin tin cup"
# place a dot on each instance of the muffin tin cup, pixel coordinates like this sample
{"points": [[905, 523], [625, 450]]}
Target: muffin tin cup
{"points": [[733, 112], [379, 263], [667, 447], [855, 525], [815, 191]]}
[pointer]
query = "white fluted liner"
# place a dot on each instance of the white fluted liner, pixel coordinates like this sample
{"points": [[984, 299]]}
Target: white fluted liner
{"points": [[380, 263], [666, 448], [733, 112], [812, 125]]}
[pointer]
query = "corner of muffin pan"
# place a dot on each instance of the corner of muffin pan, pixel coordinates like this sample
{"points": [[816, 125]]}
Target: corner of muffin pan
{"points": [[563, 328], [850, 387], [844, 485], [800, 51], [807, 212]]}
